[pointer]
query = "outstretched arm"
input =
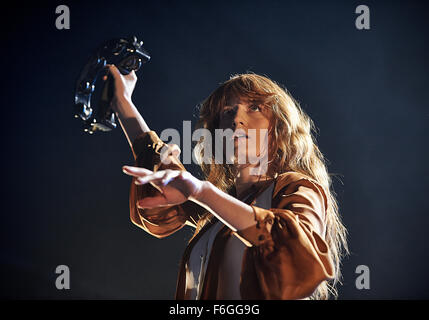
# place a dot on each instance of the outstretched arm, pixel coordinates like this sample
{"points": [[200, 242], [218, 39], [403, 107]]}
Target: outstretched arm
{"points": [[287, 256], [177, 187]]}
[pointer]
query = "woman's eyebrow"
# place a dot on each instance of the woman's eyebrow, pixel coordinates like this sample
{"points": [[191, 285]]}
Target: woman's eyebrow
{"points": [[230, 105]]}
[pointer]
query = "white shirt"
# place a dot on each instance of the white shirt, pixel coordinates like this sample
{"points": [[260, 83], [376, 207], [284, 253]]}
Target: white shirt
{"points": [[230, 266]]}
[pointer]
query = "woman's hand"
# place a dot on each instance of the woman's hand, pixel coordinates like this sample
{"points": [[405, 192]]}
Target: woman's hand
{"points": [[124, 85], [175, 186]]}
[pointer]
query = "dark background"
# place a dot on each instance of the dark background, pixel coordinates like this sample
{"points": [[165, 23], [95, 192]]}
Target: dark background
{"points": [[65, 198]]}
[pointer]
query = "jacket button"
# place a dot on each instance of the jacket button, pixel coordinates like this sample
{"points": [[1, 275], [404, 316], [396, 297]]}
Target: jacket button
{"points": [[261, 237]]}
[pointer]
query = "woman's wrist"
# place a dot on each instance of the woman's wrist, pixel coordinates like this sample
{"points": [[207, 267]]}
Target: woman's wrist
{"points": [[203, 193], [130, 119], [236, 214]]}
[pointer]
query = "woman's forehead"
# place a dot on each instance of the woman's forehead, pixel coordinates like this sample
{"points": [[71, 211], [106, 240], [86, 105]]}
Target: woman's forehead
{"points": [[235, 100], [232, 100]]}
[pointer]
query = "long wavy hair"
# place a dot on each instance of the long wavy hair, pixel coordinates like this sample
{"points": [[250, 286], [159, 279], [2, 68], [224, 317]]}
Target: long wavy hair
{"points": [[293, 148]]}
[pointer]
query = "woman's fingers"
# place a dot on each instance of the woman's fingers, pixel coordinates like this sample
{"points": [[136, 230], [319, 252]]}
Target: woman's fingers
{"points": [[169, 176], [132, 75], [169, 150], [152, 178], [136, 171], [113, 70], [157, 179], [174, 150]]}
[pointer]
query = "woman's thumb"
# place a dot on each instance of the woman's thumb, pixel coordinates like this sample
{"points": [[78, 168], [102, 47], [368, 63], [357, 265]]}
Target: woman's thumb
{"points": [[113, 70]]}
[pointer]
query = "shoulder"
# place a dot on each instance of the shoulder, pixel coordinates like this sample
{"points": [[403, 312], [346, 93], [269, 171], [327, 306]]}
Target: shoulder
{"points": [[290, 178], [290, 181]]}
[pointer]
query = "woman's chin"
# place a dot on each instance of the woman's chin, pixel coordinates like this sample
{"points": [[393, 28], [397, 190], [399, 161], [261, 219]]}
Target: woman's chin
{"points": [[240, 159]]}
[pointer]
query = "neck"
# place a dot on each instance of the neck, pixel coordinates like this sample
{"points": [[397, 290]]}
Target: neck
{"points": [[245, 179]]}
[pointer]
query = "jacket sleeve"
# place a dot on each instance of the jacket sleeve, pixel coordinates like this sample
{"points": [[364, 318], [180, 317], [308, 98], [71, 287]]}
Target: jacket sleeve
{"points": [[163, 221], [292, 259]]}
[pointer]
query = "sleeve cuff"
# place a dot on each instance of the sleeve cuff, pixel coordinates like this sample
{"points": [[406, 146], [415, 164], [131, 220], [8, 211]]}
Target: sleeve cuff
{"points": [[146, 141], [258, 233], [147, 148]]}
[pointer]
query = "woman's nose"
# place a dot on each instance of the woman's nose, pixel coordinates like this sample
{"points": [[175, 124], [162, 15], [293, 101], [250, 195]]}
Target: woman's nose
{"points": [[237, 123], [237, 119]]}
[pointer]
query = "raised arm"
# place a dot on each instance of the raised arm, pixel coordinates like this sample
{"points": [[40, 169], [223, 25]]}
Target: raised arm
{"points": [[146, 147], [130, 119]]}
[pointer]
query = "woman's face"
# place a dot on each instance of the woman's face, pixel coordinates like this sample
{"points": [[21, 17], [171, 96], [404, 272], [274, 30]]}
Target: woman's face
{"points": [[250, 123]]}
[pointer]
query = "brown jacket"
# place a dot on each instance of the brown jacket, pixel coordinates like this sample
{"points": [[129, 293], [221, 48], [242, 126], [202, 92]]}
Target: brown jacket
{"points": [[287, 263]]}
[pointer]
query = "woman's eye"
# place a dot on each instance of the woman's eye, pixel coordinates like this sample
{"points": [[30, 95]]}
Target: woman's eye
{"points": [[254, 107]]}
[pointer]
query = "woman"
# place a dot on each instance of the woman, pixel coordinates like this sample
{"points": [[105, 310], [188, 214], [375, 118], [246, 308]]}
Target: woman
{"points": [[273, 235]]}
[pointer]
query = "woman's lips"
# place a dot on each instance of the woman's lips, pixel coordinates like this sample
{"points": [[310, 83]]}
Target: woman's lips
{"points": [[241, 138], [240, 134]]}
